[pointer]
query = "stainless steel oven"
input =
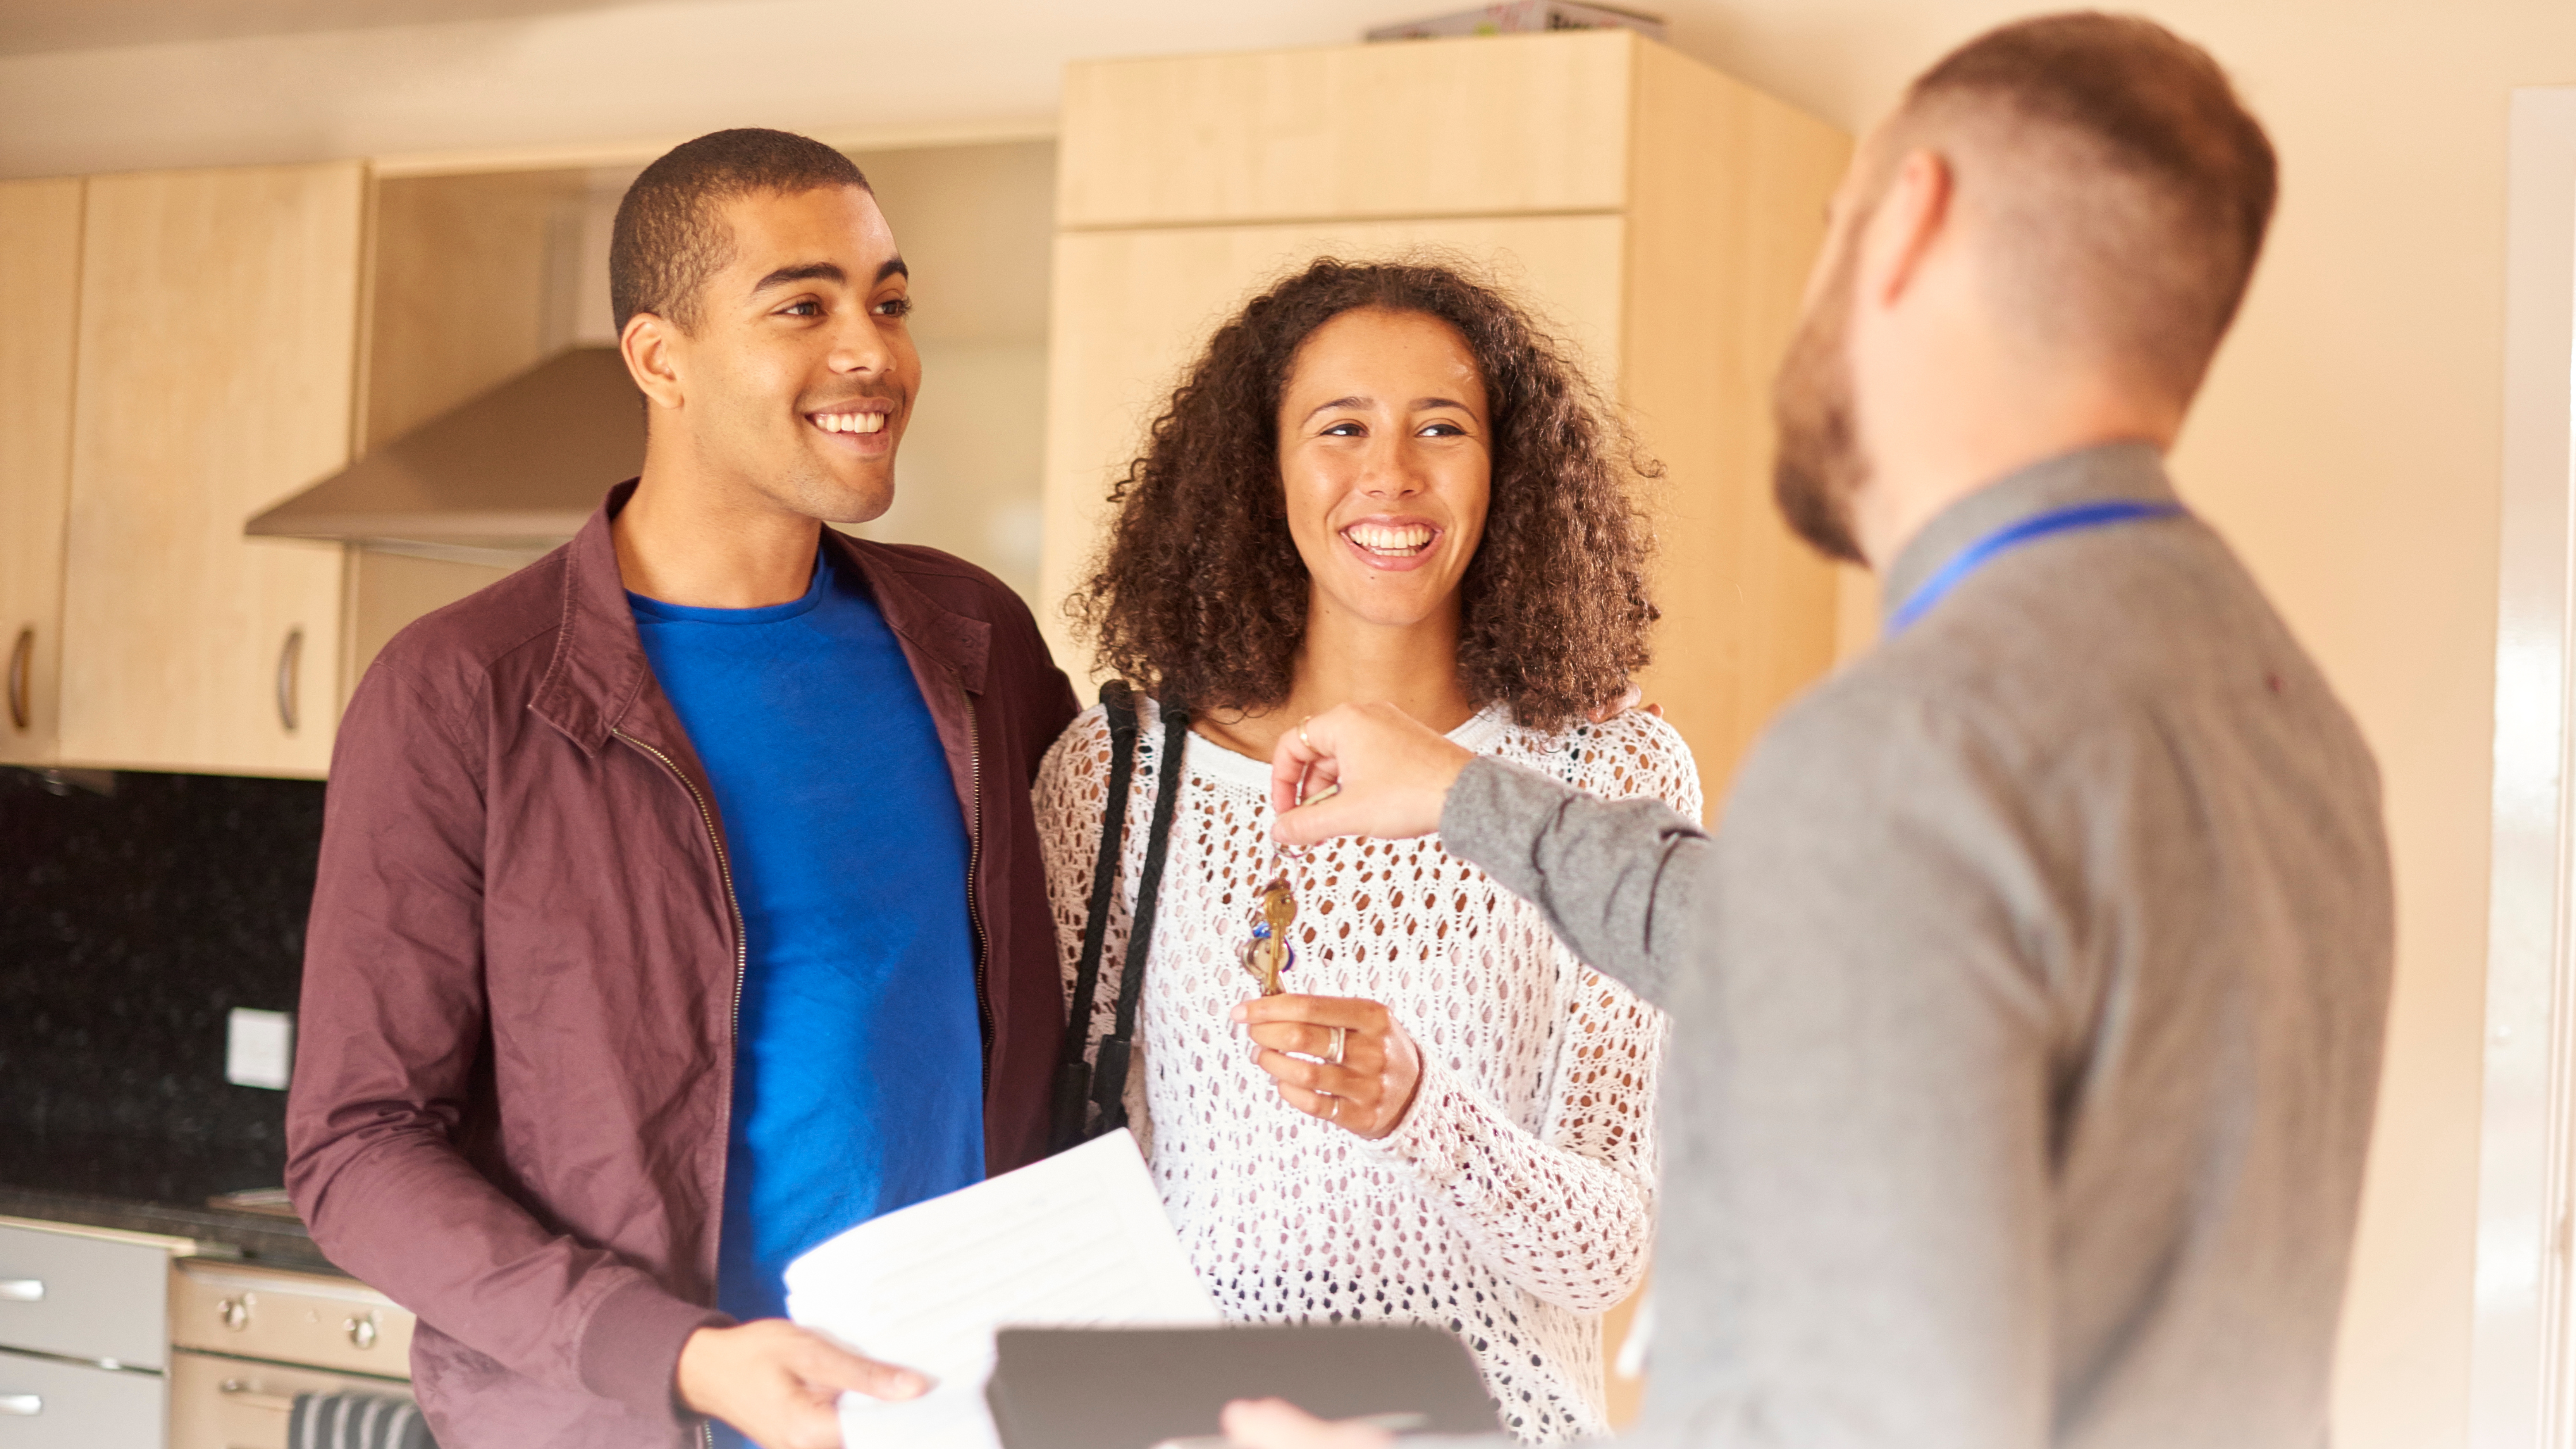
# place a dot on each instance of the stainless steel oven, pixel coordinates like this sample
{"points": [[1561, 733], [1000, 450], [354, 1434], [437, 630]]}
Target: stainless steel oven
{"points": [[245, 1341]]}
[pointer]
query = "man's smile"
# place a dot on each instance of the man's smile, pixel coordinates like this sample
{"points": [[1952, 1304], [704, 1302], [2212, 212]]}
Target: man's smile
{"points": [[856, 418]]}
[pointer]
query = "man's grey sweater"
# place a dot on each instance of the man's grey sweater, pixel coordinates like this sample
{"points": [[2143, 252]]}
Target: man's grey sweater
{"points": [[2026, 1008]]}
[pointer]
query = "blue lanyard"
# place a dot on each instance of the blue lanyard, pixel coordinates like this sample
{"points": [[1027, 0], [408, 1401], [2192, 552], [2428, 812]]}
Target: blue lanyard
{"points": [[1977, 555]]}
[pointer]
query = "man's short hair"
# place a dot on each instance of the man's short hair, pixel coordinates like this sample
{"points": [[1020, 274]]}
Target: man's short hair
{"points": [[670, 234], [2128, 188]]}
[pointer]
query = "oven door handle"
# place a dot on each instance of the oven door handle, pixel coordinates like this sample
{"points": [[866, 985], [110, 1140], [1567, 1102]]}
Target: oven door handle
{"points": [[242, 1393]]}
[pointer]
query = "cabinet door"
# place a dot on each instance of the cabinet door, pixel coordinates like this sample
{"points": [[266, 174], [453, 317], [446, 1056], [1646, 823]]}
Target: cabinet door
{"points": [[1132, 308], [40, 227], [84, 1295], [1727, 208], [50, 1403], [1503, 125], [218, 347]]}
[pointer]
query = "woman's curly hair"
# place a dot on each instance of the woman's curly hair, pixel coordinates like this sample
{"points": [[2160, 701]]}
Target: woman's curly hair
{"points": [[1198, 597]]}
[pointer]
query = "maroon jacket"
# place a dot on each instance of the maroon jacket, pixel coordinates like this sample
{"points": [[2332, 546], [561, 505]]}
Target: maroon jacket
{"points": [[510, 1102]]}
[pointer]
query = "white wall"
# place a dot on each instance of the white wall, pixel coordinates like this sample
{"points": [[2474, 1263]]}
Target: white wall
{"points": [[2348, 443], [977, 225]]}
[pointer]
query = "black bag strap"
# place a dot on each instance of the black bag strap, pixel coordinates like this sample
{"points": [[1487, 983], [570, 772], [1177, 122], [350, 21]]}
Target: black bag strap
{"points": [[1073, 1078], [1109, 1077]]}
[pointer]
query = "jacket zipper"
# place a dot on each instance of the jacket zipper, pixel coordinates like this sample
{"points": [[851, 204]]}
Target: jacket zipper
{"points": [[974, 866], [741, 953], [724, 871]]}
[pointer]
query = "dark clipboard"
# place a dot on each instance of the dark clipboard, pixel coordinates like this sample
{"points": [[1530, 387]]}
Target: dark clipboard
{"points": [[1130, 1388]]}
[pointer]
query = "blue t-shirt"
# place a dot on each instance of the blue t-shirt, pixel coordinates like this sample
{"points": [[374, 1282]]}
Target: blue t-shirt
{"points": [[858, 1062]]}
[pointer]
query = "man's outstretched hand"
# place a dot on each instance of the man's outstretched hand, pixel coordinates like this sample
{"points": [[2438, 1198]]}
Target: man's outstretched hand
{"points": [[1278, 1424], [781, 1385], [1386, 773]]}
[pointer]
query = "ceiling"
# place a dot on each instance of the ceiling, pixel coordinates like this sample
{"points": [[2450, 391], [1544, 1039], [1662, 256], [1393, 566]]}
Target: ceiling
{"points": [[30, 26]]}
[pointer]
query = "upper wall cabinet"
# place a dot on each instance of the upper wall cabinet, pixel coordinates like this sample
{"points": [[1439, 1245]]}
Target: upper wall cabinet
{"points": [[181, 351], [1404, 130], [40, 230], [1659, 216], [219, 316]]}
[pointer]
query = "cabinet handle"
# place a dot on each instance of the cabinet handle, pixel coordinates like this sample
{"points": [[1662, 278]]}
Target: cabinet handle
{"points": [[290, 660], [22, 657], [242, 1393], [233, 1313], [362, 1331], [25, 1406], [22, 1290]]}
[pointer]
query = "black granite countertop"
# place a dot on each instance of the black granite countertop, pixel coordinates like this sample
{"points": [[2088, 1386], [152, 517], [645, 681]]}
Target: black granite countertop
{"points": [[146, 1186]]}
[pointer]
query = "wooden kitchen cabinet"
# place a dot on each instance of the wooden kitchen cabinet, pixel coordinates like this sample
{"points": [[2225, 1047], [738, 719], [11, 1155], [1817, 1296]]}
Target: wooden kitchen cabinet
{"points": [[40, 246], [182, 349], [218, 336], [1508, 126], [1657, 215]]}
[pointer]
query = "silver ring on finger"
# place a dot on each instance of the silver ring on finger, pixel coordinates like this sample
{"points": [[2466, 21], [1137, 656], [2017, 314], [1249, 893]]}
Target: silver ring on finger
{"points": [[1341, 1042]]}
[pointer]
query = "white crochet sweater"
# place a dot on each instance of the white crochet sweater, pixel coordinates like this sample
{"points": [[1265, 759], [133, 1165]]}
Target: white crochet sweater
{"points": [[1516, 1201]]}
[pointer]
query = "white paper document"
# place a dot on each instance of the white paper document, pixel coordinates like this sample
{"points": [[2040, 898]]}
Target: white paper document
{"points": [[1075, 1240]]}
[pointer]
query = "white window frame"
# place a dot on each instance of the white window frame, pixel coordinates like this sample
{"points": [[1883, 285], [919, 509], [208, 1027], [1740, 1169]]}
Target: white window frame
{"points": [[2522, 1394]]}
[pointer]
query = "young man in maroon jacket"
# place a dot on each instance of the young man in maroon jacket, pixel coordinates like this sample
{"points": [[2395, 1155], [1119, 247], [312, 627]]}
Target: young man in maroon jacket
{"points": [[679, 901]]}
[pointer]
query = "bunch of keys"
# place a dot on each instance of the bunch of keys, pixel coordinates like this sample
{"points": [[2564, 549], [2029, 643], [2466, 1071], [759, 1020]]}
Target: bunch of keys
{"points": [[1268, 955]]}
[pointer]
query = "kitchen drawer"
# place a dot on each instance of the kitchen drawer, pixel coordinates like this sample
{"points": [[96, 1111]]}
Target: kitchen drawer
{"points": [[225, 1403], [91, 1295], [46, 1403], [303, 1318]]}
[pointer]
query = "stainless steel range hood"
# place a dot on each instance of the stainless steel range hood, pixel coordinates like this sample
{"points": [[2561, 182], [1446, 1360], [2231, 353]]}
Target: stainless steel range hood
{"points": [[500, 478]]}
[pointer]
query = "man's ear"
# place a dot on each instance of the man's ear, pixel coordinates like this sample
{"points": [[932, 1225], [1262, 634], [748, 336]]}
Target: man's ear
{"points": [[1909, 219], [647, 345]]}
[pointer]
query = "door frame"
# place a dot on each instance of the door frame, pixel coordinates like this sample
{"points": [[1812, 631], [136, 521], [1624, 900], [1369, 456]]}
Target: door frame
{"points": [[2520, 1387]]}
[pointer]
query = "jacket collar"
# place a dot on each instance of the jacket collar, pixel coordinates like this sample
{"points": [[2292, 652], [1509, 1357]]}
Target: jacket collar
{"points": [[2102, 474], [599, 667], [931, 632]]}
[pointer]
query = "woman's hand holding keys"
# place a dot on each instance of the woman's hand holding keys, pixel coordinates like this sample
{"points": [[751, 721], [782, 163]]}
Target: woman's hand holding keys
{"points": [[1352, 1065]]}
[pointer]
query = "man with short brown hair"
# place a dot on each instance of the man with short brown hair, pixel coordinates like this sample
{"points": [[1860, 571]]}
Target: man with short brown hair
{"points": [[2027, 1002], [680, 901]]}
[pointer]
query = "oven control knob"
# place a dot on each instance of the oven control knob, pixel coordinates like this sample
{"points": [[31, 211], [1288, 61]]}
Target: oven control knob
{"points": [[362, 1330], [234, 1312]]}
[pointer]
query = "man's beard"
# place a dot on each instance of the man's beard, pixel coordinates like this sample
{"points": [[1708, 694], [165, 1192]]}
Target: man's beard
{"points": [[1819, 468]]}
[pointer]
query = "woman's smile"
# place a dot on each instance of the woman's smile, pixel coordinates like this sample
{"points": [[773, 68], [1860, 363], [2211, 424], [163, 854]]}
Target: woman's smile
{"points": [[1395, 545]]}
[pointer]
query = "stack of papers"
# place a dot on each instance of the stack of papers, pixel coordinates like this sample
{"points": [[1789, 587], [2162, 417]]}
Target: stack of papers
{"points": [[1077, 1240]]}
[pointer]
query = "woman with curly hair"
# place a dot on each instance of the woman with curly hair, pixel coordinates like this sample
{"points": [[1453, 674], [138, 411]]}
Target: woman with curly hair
{"points": [[1378, 482]]}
